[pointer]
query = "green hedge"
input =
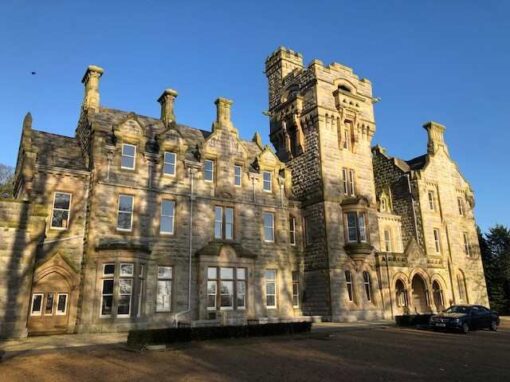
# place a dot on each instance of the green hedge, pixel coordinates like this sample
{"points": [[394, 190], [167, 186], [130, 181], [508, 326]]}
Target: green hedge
{"points": [[413, 319], [140, 338]]}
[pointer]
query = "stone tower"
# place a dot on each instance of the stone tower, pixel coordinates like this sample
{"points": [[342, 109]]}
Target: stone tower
{"points": [[322, 124]]}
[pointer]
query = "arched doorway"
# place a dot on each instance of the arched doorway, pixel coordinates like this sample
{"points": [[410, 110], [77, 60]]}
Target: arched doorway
{"points": [[437, 294], [419, 294]]}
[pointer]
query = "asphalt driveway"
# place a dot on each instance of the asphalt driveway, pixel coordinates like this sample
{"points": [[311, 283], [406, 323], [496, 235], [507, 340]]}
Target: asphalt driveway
{"points": [[330, 353]]}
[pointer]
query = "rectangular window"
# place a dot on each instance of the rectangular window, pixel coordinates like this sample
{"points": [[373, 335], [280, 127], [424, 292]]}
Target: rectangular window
{"points": [[107, 290], [292, 230], [356, 227], [224, 223], [209, 170], [48, 308], [362, 228], [237, 176], [229, 223], [432, 200], [346, 138], [460, 203], [164, 290], [348, 181], [295, 289], [348, 284], [212, 284], [367, 283], [218, 222], [270, 276], [267, 181], [125, 213], [128, 159], [61, 304], [268, 227], [231, 283], [61, 210], [167, 217], [467, 246], [141, 285], [437, 240], [387, 241], [37, 299], [241, 288], [125, 290], [169, 163], [227, 288]]}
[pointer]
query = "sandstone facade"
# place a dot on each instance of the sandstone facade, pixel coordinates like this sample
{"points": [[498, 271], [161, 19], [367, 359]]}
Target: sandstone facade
{"points": [[145, 222]]}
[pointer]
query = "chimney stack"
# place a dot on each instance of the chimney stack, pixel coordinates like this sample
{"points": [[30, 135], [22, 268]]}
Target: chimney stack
{"points": [[436, 141], [167, 100], [91, 81], [223, 111]]}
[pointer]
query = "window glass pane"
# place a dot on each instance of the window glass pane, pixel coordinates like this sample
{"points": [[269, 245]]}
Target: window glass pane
{"points": [[48, 309], [362, 230], [126, 269], [125, 286], [211, 294], [37, 303], [106, 308], [227, 294], [211, 273], [128, 156], [107, 286], [109, 269], [62, 201], [226, 273], [237, 175], [268, 226], [60, 218], [351, 227], [229, 223], [218, 222], [163, 298], [124, 304], [241, 294], [167, 216], [241, 273], [169, 165], [164, 272], [267, 180], [271, 300], [125, 203], [270, 274], [61, 303], [167, 207], [209, 170], [128, 150]]}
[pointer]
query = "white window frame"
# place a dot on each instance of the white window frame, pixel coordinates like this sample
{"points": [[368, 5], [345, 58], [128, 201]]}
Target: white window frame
{"points": [[123, 212], [238, 176], [61, 209], [360, 227], [292, 230], [206, 171], [267, 184], [437, 240], [266, 240], [166, 279], [171, 217], [240, 280], [172, 163], [107, 276], [217, 280], [38, 312], [127, 277], [60, 312], [122, 155], [212, 281], [269, 282], [232, 282]]}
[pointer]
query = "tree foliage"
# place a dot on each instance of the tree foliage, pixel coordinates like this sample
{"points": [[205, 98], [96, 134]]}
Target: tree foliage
{"points": [[6, 180], [495, 249]]}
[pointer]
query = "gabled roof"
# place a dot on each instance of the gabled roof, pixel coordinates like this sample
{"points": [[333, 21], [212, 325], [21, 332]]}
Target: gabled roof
{"points": [[417, 163], [58, 151]]}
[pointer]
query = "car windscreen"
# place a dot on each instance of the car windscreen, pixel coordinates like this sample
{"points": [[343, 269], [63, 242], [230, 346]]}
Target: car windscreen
{"points": [[457, 309]]}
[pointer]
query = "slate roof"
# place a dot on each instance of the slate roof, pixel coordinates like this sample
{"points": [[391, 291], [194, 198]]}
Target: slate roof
{"points": [[417, 163], [58, 151]]}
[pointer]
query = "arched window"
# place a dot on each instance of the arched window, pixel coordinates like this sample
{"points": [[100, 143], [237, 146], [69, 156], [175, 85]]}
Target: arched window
{"points": [[437, 294], [401, 293], [367, 283], [348, 284]]}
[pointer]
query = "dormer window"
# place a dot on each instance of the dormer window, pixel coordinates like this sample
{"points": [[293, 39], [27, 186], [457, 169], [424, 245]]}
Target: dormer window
{"points": [[209, 171], [128, 159], [169, 163], [268, 181]]}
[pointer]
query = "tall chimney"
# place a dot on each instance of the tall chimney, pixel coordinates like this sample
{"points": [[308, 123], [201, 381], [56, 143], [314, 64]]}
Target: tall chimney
{"points": [[167, 100], [223, 112], [436, 141], [91, 81]]}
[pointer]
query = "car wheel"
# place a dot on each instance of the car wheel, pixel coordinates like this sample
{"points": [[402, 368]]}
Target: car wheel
{"points": [[494, 326], [465, 328]]}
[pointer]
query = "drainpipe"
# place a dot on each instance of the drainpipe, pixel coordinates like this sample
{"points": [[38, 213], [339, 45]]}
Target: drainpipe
{"points": [[389, 285], [191, 172]]}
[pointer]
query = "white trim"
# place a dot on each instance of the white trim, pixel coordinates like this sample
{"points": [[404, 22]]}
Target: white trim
{"points": [[270, 181], [165, 162], [60, 209], [128, 156], [272, 226], [167, 216], [39, 312], [274, 281], [212, 170], [240, 175]]}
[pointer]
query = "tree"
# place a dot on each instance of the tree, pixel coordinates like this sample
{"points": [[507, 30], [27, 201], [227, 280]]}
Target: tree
{"points": [[6, 180], [495, 250]]}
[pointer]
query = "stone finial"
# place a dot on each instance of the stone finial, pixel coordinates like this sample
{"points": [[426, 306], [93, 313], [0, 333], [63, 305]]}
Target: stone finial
{"points": [[91, 81], [257, 139], [27, 122], [167, 101], [435, 133], [26, 139]]}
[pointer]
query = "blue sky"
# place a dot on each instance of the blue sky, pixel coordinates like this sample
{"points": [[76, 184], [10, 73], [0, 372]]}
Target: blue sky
{"points": [[427, 60]]}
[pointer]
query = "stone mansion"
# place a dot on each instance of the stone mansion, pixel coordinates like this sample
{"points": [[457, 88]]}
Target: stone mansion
{"points": [[141, 222]]}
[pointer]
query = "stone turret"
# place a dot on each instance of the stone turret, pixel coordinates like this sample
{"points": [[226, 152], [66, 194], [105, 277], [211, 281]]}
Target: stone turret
{"points": [[91, 81]]}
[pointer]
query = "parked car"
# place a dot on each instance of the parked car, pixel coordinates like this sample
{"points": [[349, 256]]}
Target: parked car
{"points": [[465, 318]]}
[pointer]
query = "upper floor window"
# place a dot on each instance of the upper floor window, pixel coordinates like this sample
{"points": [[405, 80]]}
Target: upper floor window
{"points": [[125, 213], [169, 163], [432, 200], [437, 240], [209, 170], [61, 210], [387, 240], [467, 246], [356, 227], [367, 283], [237, 176], [348, 181], [348, 284], [460, 204], [167, 217], [292, 230], [224, 223], [268, 227], [128, 159], [268, 181]]}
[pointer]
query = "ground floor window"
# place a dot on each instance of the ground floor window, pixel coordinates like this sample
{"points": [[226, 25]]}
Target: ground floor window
{"points": [[37, 299], [164, 292], [61, 304], [401, 294], [295, 289], [349, 286], [230, 282], [367, 283], [270, 277]]}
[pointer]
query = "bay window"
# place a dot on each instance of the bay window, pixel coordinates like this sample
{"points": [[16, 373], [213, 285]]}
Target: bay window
{"points": [[231, 284], [356, 227]]}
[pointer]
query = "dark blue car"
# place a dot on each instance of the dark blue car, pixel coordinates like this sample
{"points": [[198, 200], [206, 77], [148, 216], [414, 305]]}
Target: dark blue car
{"points": [[465, 318]]}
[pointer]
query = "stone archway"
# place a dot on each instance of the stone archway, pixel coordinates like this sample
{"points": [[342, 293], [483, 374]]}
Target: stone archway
{"points": [[419, 294]]}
